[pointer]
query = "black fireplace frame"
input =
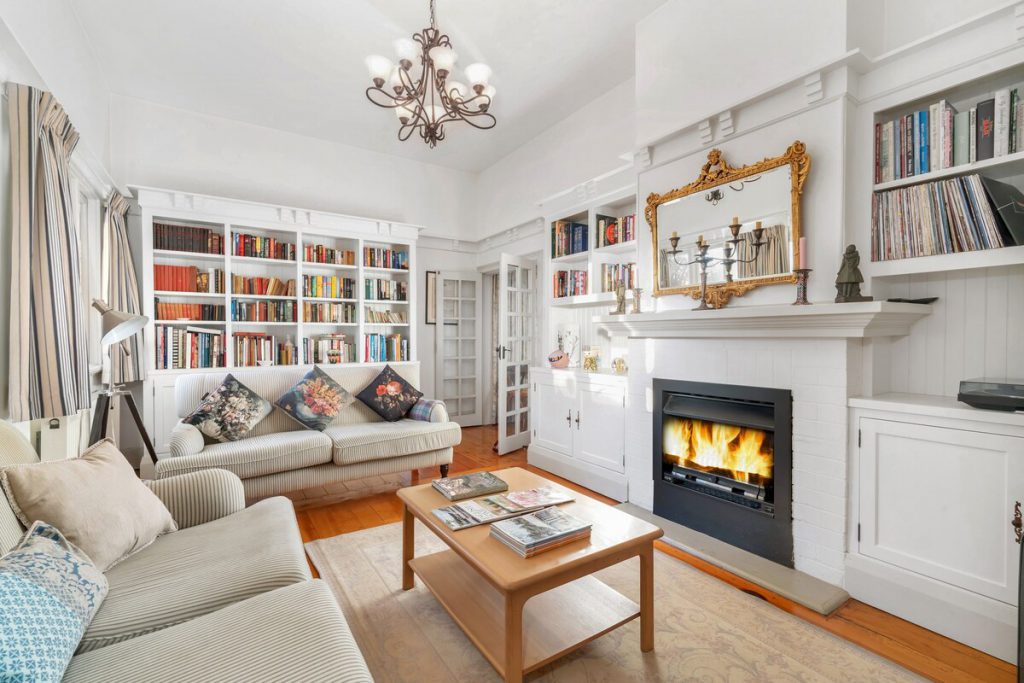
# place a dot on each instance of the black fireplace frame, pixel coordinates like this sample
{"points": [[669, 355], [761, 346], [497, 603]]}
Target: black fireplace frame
{"points": [[767, 535]]}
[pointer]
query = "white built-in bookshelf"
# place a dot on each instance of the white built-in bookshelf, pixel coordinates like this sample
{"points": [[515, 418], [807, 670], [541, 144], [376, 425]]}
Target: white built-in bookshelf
{"points": [[1007, 167], [348, 294]]}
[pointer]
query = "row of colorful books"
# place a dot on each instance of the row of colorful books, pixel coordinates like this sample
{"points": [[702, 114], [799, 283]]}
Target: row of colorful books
{"points": [[967, 213], [328, 287], [379, 348], [187, 279], [940, 137], [568, 238], [379, 257], [375, 315], [252, 348], [614, 273], [328, 312], [263, 311], [185, 348], [569, 283], [259, 246], [328, 349], [386, 290], [183, 311], [187, 238], [263, 286], [612, 230], [319, 253]]}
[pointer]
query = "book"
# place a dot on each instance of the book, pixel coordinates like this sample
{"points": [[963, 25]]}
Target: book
{"points": [[1008, 202], [538, 531], [921, 138], [887, 155], [972, 135], [469, 485], [1001, 123], [961, 131], [986, 129]]}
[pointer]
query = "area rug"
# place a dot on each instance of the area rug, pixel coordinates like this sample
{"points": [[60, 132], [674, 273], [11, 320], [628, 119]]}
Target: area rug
{"points": [[705, 630]]}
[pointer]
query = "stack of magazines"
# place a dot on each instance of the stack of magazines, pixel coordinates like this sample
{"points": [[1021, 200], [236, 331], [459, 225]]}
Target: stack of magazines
{"points": [[469, 485], [493, 508], [538, 531]]}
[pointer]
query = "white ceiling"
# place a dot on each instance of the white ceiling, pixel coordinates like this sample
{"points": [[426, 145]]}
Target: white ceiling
{"points": [[298, 65]]}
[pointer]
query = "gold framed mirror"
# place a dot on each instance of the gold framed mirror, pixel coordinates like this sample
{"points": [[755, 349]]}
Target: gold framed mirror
{"points": [[747, 217]]}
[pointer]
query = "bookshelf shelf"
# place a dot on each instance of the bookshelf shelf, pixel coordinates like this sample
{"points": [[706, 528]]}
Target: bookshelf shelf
{"points": [[967, 260], [237, 323], [190, 255], [620, 248], [197, 323], [264, 261], [330, 324], [190, 295], [375, 325], [580, 257], [381, 302], [267, 297], [584, 300], [376, 269], [329, 266], [329, 300], [1010, 163]]}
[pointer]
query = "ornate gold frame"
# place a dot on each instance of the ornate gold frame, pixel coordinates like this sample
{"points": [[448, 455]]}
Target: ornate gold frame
{"points": [[718, 172]]}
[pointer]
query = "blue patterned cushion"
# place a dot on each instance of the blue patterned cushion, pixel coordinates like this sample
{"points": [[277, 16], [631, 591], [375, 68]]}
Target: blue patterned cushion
{"points": [[49, 592], [423, 408], [315, 401]]}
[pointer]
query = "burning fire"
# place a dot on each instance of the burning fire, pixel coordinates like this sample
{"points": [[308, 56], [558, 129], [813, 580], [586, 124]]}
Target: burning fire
{"points": [[708, 446]]}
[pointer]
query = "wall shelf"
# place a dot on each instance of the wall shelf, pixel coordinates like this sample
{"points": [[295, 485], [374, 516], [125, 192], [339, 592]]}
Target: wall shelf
{"points": [[201, 295], [190, 255], [584, 300], [967, 260], [1010, 163]]}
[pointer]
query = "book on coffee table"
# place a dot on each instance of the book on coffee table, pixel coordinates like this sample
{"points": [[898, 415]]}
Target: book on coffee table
{"points": [[470, 513], [538, 531], [469, 485]]}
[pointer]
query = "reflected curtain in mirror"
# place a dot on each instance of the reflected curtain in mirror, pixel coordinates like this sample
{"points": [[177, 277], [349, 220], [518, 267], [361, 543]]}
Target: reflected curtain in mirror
{"points": [[49, 368]]}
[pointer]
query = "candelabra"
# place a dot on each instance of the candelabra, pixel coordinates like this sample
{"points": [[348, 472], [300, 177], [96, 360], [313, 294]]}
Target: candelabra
{"points": [[728, 258]]}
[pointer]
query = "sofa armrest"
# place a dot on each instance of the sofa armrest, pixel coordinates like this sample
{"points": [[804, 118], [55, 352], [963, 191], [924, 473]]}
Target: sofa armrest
{"points": [[439, 413], [186, 440], [428, 410], [200, 497]]}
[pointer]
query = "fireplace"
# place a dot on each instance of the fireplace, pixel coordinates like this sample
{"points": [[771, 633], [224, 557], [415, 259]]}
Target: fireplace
{"points": [[723, 463]]}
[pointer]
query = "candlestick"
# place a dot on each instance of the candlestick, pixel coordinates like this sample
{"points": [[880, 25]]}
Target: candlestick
{"points": [[803, 253], [801, 287]]}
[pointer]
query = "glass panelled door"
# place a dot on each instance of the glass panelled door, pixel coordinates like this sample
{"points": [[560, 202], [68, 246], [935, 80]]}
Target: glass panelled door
{"points": [[458, 346], [516, 315]]}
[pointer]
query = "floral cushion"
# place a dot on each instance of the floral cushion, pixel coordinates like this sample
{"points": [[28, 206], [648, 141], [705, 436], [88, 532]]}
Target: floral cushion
{"points": [[315, 401], [389, 395], [228, 412], [49, 593]]}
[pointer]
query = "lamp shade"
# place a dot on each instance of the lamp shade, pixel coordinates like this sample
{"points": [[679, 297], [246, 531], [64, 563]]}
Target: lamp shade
{"points": [[117, 326]]}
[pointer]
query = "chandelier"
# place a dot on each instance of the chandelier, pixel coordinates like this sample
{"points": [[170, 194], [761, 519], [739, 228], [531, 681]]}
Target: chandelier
{"points": [[426, 104]]}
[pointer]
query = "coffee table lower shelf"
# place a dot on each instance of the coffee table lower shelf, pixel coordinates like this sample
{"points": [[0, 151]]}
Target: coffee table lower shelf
{"points": [[554, 623]]}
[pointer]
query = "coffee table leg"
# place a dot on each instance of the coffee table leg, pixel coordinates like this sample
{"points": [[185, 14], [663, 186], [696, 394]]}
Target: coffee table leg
{"points": [[408, 543], [513, 638], [647, 598]]}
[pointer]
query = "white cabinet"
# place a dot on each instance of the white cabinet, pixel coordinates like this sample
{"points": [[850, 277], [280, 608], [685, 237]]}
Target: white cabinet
{"points": [[934, 498], [579, 428]]}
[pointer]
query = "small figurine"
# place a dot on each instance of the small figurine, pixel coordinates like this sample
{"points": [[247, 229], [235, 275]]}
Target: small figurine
{"points": [[620, 299], [636, 299], [849, 278]]}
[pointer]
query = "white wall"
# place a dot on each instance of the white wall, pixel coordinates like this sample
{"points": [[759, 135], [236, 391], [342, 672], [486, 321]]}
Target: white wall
{"points": [[164, 147], [589, 143]]}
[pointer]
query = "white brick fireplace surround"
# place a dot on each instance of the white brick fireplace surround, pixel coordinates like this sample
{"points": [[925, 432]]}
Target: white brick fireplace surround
{"points": [[813, 351]]}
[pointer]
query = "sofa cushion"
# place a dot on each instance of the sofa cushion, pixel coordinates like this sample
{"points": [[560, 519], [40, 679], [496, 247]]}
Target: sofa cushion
{"points": [[49, 591], [96, 500], [315, 400], [296, 633], [389, 395], [377, 440], [255, 456], [199, 570], [228, 412]]}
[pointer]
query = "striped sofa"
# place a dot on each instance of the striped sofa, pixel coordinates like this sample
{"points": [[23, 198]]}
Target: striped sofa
{"points": [[279, 455], [227, 597]]}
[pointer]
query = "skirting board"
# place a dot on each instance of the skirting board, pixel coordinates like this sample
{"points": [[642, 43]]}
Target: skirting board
{"points": [[975, 620], [595, 478], [803, 589]]}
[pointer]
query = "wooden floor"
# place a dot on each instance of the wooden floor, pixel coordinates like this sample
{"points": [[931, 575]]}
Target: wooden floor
{"points": [[923, 652]]}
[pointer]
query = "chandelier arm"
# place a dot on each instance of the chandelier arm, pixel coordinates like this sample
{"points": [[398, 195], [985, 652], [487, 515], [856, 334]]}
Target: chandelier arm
{"points": [[389, 101], [488, 122]]}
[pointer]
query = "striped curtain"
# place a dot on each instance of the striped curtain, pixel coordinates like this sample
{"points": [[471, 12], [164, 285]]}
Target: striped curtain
{"points": [[773, 259], [121, 289], [49, 368]]}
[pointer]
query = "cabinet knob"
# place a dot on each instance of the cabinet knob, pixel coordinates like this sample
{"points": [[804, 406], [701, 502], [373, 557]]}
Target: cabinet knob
{"points": [[577, 419], [1016, 522], [568, 418]]}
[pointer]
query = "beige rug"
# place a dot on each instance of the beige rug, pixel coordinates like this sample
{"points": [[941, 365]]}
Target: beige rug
{"points": [[705, 630]]}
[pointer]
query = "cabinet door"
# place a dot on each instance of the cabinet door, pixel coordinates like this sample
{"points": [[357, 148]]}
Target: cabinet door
{"points": [[164, 414], [940, 502], [552, 414], [599, 427]]}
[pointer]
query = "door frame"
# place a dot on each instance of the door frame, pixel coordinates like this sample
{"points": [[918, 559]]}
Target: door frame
{"points": [[476, 418]]}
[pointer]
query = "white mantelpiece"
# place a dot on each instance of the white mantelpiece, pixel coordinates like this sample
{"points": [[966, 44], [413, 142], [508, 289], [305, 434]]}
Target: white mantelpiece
{"points": [[816, 321]]}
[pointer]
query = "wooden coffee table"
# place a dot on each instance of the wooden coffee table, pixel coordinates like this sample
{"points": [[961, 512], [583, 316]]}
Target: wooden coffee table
{"points": [[485, 586]]}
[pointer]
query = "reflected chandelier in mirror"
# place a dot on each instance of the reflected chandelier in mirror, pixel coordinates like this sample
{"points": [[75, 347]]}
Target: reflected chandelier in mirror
{"points": [[731, 230]]}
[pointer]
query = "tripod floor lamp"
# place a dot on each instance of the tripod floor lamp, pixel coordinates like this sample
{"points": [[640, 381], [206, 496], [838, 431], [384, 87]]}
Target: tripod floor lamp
{"points": [[117, 326]]}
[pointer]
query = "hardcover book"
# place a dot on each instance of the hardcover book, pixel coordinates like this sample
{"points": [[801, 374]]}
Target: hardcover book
{"points": [[961, 131], [986, 129], [1001, 122], [469, 485]]}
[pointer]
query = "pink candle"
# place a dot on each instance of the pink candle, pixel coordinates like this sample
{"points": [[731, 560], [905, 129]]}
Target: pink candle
{"points": [[803, 253]]}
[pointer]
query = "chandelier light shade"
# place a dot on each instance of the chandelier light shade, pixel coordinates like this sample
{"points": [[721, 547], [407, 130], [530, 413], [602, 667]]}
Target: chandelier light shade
{"points": [[427, 103]]}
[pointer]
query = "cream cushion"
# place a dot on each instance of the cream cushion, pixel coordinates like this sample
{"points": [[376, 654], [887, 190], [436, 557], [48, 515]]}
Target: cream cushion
{"points": [[378, 440], [96, 501]]}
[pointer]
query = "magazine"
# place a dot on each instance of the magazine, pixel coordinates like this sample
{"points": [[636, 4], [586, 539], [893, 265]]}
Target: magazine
{"points": [[539, 531], [537, 498], [502, 506], [469, 485]]}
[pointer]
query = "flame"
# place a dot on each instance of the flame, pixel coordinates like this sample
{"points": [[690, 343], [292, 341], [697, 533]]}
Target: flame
{"points": [[708, 446]]}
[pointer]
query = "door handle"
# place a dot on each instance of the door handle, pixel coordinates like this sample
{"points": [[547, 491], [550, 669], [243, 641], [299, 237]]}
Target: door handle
{"points": [[502, 351], [1016, 523], [568, 418], [577, 420]]}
